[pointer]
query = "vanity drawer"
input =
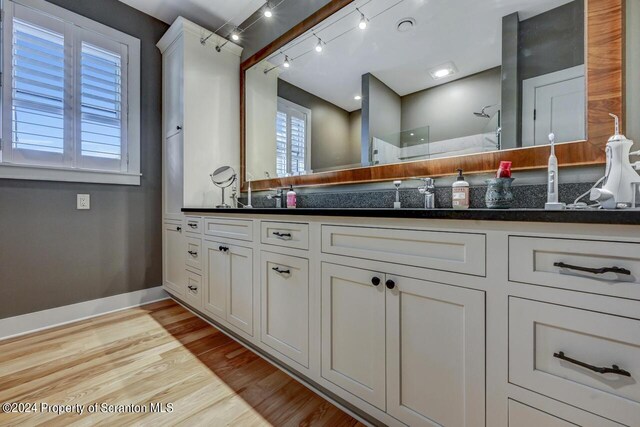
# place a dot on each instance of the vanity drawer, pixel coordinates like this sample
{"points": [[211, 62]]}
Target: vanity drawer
{"points": [[193, 295], [193, 224], [192, 252], [455, 252], [558, 263], [521, 415], [541, 337], [231, 228], [288, 234]]}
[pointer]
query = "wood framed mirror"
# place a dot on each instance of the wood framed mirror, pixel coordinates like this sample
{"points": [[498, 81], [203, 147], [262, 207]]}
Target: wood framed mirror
{"points": [[603, 82]]}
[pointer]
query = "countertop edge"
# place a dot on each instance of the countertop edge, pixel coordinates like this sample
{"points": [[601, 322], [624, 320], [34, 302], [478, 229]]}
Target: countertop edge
{"points": [[617, 217]]}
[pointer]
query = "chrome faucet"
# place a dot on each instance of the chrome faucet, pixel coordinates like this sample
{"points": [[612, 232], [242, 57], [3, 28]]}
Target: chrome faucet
{"points": [[428, 188], [279, 196]]}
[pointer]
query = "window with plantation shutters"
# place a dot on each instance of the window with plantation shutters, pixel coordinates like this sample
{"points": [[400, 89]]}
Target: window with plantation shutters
{"points": [[292, 138], [67, 107]]}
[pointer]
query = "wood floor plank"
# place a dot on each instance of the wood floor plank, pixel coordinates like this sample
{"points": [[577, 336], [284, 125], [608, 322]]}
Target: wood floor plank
{"points": [[158, 353]]}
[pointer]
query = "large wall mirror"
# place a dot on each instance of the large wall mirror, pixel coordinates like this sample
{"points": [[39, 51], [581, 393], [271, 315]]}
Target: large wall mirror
{"points": [[379, 89]]}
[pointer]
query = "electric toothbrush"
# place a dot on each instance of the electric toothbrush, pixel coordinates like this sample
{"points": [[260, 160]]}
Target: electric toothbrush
{"points": [[552, 179]]}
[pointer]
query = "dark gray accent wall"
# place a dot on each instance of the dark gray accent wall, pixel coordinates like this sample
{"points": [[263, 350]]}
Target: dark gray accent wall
{"points": [[52, 254], [446, 113], [330, 128], [510, 92]]}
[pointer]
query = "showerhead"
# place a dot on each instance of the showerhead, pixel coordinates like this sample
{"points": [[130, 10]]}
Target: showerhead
{"points": [[483, 113]]}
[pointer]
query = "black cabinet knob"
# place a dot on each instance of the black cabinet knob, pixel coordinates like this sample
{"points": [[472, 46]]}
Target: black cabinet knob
{"points": [[390, 284], [178, 228], [178, 127], [375, 281]]}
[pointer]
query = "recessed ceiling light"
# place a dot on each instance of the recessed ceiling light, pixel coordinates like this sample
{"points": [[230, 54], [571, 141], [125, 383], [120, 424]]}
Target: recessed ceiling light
{"points": [[442, 71], [357, 97], [412, 134]]}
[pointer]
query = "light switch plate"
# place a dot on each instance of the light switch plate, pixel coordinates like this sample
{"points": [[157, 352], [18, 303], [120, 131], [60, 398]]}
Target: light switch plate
{"points": [[84, 201]]}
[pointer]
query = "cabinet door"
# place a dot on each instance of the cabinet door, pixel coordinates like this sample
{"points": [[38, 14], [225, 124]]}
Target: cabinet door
{"points": [[217, 279], [240, 292], [436, 354], [173, 82], [173, 260], [285, 305], [353, 338], [173, 176]]}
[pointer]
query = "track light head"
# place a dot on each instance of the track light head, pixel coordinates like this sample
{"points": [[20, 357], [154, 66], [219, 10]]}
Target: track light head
{"points": [[319, 46], [268, 11], [363, 22], [287, 62], [235, 35]]}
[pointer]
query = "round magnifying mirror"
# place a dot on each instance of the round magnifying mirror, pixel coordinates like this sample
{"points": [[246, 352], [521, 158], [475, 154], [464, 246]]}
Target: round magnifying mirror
{"points": [[222, 178]]}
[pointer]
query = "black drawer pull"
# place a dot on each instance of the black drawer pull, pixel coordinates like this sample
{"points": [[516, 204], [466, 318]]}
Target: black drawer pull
{"points": [[178, 127], [613, 370], [193, 253], [178, 228], [602, 270], [283, 236], [193, 288], [277, 270], [223, 249], [390, 284], [192, 225], [375, 281]]}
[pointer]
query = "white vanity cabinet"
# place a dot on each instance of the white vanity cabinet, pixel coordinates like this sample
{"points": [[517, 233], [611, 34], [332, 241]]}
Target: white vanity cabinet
{"points": [[228, 291], [427, 322]]}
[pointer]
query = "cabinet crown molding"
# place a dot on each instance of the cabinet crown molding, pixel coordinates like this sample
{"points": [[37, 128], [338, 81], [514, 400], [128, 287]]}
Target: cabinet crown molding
{"points": [[182, 25]]}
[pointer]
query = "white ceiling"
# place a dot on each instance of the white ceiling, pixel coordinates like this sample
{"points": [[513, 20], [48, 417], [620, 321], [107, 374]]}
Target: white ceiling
{"points": [[467, 32], [210, 14]]}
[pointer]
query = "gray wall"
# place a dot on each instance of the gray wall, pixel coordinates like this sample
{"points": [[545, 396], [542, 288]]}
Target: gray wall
{"points": [[447, 114], [510, 92], [381, 114], [548, 42], [52, 254], [330, 128]]}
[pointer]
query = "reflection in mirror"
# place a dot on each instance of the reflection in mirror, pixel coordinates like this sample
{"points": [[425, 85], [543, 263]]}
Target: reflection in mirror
{"points": [[423, 80]]}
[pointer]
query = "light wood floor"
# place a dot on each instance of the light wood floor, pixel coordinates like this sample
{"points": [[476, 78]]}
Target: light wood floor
{"points": [[155, 353]]}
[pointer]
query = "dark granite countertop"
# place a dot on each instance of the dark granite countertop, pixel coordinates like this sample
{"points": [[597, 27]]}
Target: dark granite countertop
{"points": [[628, 217]]}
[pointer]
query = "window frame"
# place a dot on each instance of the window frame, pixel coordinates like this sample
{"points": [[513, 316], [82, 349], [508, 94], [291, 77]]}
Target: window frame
{"points": [[285, 104], [77, 168]]}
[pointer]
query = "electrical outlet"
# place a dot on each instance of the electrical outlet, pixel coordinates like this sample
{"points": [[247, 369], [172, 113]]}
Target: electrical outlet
{"points": [[84, 201]]}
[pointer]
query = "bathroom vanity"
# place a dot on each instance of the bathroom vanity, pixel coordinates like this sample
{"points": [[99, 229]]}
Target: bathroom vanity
{"points": [[415, 319]]}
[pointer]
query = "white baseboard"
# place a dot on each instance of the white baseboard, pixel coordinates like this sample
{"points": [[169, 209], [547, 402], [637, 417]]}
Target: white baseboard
{"points": [[45, 319]]}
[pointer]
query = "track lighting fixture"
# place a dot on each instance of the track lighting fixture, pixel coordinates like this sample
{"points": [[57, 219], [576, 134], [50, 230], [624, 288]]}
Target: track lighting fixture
{"points": [[363, 20], [319, 45], [235, 34], [287, 63], [268, 12]]}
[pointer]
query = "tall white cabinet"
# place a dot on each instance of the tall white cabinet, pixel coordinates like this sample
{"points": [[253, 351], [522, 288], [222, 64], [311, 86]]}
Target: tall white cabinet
{"points": [[201, 101], [201, 131]]}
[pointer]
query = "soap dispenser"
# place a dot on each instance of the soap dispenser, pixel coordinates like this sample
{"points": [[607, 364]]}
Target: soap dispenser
{"points": [[460, 192]]}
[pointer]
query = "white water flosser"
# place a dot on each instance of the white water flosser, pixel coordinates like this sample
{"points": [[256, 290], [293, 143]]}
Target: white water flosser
{"points": [[552, 179]]}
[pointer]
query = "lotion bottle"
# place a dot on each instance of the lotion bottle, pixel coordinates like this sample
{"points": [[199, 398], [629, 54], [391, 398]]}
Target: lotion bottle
{"points": [[460, 192], [291, 198]]}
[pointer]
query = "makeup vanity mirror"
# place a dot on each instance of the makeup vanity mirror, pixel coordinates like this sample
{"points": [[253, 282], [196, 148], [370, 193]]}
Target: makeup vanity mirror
{"points": [[374, 90]]}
